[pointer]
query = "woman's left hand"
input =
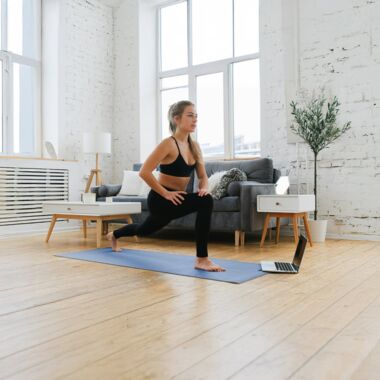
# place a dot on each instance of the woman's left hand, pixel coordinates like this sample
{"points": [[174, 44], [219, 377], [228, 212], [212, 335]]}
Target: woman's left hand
{"points": [[203, 192]]}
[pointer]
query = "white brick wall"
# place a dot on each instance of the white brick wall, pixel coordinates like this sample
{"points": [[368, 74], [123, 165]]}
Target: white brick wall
{"points": [[126, 95], [88, 78], [339, 48]]}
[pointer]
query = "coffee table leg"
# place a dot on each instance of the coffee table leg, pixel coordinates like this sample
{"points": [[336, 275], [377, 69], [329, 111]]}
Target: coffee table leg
{"points": [[85, 228], [99, 226], [266, 223], [52, 224]]}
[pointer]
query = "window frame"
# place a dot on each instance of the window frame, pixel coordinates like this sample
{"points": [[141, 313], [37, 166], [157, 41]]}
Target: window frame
{"points": [[10, 58], [224, 65]]}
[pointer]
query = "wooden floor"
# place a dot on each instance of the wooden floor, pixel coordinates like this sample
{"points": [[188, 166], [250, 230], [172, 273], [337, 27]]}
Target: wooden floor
{"points": [[69, 319]]}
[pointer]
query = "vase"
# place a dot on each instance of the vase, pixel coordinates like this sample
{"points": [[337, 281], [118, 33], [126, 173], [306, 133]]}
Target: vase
{"points": [[318, 230]]}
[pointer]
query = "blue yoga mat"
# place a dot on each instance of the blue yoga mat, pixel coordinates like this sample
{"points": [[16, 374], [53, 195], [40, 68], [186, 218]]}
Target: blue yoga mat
{"points": [[236, 271]]}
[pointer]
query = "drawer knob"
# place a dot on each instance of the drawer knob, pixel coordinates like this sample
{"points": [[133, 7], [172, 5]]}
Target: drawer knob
{"points": [[68, 208], [277, 203]]}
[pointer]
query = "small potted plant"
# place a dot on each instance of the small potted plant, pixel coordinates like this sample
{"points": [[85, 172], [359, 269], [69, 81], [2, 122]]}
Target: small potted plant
{"points": [[316, 124]]}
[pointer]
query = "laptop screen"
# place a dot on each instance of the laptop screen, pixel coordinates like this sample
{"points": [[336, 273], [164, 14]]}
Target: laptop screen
{"points": [[299, 250]]}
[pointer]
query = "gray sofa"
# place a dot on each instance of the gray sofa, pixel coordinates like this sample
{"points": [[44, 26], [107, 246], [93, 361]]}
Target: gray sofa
{"points": [[237, 212]]}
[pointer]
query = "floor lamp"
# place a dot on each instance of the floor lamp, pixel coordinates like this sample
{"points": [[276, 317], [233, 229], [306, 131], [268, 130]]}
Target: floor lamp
{"points": [[98, 143]]}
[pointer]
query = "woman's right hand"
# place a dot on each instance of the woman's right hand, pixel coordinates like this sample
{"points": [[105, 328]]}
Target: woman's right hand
{"points": [[175, 197]]}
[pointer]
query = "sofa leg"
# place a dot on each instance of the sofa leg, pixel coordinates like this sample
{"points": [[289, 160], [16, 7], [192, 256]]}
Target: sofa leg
{"points": [[242, 238], [237, 238]]}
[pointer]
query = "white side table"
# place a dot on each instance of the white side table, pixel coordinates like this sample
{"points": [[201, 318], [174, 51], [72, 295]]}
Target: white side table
{"points": [[286, 206]]}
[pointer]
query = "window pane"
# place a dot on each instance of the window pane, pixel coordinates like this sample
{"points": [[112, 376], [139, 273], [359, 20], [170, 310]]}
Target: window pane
{"points": [[210, 129], [178, 81], [246, 77], [246, 24], [24, 108], [212, 30], [23, 34], [1, 107], [1, 25], [174, 36], [169, 97]]}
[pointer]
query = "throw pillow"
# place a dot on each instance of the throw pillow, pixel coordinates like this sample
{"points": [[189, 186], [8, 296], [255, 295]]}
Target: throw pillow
{"points": [[145, 188], [214, 180], [231, 175], [131, 183]]}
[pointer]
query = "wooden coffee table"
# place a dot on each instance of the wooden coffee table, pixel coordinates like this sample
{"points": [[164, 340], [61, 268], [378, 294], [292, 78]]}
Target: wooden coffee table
{"points": [[99, 211]]}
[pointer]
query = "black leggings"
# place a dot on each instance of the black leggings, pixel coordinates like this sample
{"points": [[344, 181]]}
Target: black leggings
{"points": [[162, 211]]}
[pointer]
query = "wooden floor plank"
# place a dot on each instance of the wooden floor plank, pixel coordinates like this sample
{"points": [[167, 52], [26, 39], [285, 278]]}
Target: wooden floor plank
{"points": [[369, 368], [344, 354], [284, 358]]}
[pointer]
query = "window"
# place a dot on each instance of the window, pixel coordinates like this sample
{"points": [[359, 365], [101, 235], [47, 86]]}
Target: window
{"points": [[215, 64], [172, 89], [20, 73]]}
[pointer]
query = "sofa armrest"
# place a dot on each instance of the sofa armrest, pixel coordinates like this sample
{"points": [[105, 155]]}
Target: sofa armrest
{"points": [[96, 189], [106, 190], [251, 220]]}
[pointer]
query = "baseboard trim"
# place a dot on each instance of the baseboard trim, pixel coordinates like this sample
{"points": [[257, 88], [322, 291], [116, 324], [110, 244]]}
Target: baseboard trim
{"points": [[39, 229], [353, 237], [288, 231]]}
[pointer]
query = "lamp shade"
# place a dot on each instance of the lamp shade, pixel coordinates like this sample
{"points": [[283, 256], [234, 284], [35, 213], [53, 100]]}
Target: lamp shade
{"points": [[97, 142]]}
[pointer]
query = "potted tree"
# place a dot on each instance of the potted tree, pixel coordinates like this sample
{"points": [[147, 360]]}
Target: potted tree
{"points": [[316, 124]]}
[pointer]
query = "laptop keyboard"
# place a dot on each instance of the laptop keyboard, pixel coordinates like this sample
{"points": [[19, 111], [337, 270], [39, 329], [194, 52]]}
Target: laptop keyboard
{"points": [[284, 267]]}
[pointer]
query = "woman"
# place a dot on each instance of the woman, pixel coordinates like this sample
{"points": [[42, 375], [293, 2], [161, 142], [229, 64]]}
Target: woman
{"points": [[178, 156]]}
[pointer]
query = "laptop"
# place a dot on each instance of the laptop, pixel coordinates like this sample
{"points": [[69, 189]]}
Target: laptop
{"points": [[279, 267]]}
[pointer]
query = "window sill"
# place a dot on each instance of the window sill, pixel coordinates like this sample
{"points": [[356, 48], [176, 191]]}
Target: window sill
{"points": [[34, 158]]}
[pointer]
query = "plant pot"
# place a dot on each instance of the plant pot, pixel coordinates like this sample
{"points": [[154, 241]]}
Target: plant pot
{"points": [[318, 230]]}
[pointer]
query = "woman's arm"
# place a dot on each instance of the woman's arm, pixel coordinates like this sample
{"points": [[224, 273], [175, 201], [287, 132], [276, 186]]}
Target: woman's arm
{"points": [[202, 176], [150, 164]]}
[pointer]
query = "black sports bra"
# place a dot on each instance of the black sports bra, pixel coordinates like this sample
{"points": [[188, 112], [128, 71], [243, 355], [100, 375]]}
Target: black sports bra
{"points": [[179, 167]]}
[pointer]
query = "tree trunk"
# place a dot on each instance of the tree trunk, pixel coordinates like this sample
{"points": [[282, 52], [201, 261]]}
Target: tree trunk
{"points": [[315, 186]]}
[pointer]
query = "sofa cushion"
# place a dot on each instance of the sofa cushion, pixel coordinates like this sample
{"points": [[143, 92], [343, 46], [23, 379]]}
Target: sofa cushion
{"points": [[227, 204], [132, 198], [234, 188]]}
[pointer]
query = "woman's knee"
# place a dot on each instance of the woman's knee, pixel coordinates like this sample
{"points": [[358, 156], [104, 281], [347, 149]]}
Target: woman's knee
{"points": [[207, 201]]}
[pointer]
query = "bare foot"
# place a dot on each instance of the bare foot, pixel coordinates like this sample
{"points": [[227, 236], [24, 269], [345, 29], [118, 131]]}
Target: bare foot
{"points": [[113, 240], [204, 263]]}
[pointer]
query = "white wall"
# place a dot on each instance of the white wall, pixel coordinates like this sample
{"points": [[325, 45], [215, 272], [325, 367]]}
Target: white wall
{"points": [[88, 76], [148, 41], [51, 83], [126, 127], [337, 47]]}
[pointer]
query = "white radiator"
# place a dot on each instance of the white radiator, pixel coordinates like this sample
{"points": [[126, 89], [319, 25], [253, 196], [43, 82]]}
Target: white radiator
{"points": [[23, 189]]}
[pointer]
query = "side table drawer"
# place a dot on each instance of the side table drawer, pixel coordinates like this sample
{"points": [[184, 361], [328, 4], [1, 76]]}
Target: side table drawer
{"points": [[285, 203]]}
